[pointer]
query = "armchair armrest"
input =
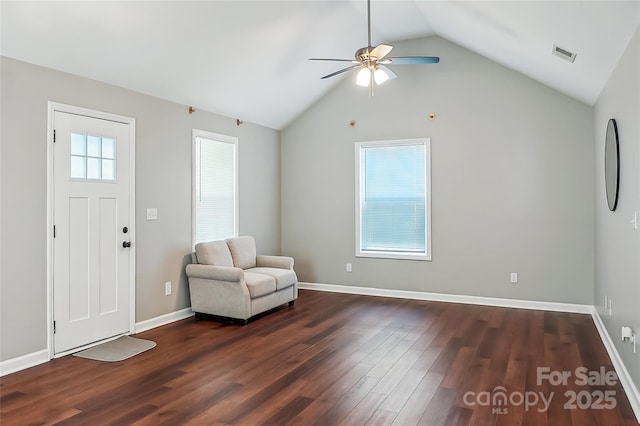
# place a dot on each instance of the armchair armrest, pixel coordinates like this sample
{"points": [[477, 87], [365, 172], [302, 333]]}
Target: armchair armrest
{"points": [[219, 273], [281, 262]]}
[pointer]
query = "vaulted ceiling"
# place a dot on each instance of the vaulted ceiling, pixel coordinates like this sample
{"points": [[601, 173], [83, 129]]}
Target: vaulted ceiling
{"points": [[248, 59]]}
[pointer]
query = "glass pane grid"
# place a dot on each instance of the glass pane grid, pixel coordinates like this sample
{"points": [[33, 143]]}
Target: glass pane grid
{"points": [[93, 158]]}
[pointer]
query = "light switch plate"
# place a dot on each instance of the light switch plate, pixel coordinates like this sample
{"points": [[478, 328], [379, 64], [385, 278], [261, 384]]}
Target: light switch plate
{"points": [[152, 214]]}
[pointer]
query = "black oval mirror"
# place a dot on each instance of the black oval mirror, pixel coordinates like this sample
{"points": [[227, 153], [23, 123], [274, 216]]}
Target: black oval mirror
{"points": [[612, 164]]}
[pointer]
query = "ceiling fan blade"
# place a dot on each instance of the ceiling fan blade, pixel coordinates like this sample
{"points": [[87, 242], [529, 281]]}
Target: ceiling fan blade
{"points": [[408, 60], [332, 59], [340, 71], [380, 51], [390, 73]]}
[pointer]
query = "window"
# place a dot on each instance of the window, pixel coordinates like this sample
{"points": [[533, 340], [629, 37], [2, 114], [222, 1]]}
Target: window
{"points": [[93, 158], [214, 186], [393, 206]]}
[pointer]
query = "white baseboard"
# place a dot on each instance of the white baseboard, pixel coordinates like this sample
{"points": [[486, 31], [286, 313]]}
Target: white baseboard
{"points": [[629, 386], [453, 298], [31, 360], [22, 362], [163, 320]]}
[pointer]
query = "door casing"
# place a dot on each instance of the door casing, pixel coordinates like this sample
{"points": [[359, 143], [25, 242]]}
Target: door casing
{"points": [[52, 107]]}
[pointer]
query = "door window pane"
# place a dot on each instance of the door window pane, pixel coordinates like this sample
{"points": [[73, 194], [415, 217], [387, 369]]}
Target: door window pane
{"points": [[93, 146], [78, 167], [93, 158], [108, 170], [94, 168], [108, 148], [78, 144]]}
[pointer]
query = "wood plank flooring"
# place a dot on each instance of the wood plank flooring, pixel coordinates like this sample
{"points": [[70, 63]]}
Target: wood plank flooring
{"points": [[336, 359]]}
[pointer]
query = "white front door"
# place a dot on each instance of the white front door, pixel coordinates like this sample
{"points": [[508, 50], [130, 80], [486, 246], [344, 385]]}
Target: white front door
{"points": [[91, 245]]}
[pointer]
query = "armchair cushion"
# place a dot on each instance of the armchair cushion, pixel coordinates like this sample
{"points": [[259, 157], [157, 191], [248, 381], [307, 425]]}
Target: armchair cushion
{"points": [[283, 277], [214, 253], [259, 285], [243, 251]]}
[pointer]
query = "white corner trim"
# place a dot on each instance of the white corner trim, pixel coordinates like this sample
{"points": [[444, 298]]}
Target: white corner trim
{"points": [[163, 320], [452, 298], [22, 362], [633, 394]]}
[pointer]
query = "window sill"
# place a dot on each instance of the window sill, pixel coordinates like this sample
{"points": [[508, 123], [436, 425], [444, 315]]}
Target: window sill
{"points": [[394, 255]]}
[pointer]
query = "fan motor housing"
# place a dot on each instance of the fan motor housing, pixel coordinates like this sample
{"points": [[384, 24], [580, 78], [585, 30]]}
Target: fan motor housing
{"points": [[362, 54]]}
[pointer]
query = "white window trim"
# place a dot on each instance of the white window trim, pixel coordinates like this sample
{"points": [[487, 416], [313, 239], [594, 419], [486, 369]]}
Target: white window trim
{"points": [[426, 142], [195, 133]]}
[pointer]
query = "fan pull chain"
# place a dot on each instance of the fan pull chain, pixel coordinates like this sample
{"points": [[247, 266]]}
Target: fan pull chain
{"points": [[372, 84]]}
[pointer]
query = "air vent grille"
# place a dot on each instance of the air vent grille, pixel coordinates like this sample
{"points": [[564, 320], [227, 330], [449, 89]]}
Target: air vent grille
{"points": [[563, 53]]}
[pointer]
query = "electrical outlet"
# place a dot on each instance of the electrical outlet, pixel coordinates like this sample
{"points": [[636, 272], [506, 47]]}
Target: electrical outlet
{"points": [[348, 267], [514, 277], [167, 288]]}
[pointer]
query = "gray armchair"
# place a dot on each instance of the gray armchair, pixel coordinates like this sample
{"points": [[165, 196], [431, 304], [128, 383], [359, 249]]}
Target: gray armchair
{"points": [[228, 279]]}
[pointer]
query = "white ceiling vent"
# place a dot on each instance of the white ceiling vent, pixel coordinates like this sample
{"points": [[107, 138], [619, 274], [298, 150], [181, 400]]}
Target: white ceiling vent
{"points": [[563, 53]]}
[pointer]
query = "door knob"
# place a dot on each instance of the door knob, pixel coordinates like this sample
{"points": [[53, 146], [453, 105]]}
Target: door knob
{"points": [[126, 244]]}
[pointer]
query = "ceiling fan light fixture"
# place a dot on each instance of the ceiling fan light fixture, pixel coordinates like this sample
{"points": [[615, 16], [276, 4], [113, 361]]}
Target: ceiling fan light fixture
{"points": [[364, 77], [380, 76], [371, 61]]}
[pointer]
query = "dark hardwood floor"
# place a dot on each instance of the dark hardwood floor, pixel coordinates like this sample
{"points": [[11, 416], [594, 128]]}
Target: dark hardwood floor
{"points": [[336, 359]]}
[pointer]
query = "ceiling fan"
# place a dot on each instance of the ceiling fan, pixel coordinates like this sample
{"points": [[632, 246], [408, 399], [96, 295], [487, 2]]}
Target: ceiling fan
{"points": [[372, 61]]}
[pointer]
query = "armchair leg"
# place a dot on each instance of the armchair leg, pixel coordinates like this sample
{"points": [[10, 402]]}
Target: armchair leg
{"points": [[291, 303]]}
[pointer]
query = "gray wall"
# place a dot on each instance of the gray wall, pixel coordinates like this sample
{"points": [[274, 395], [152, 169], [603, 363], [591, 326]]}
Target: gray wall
{"points": [[512, 180], [163, 180], [617, 261]]}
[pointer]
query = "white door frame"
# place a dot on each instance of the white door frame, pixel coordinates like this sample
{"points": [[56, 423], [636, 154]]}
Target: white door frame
{"points": [[131, 122]]}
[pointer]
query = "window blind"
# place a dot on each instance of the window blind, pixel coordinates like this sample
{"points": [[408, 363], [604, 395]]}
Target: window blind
{"points": [[215, 189]]}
